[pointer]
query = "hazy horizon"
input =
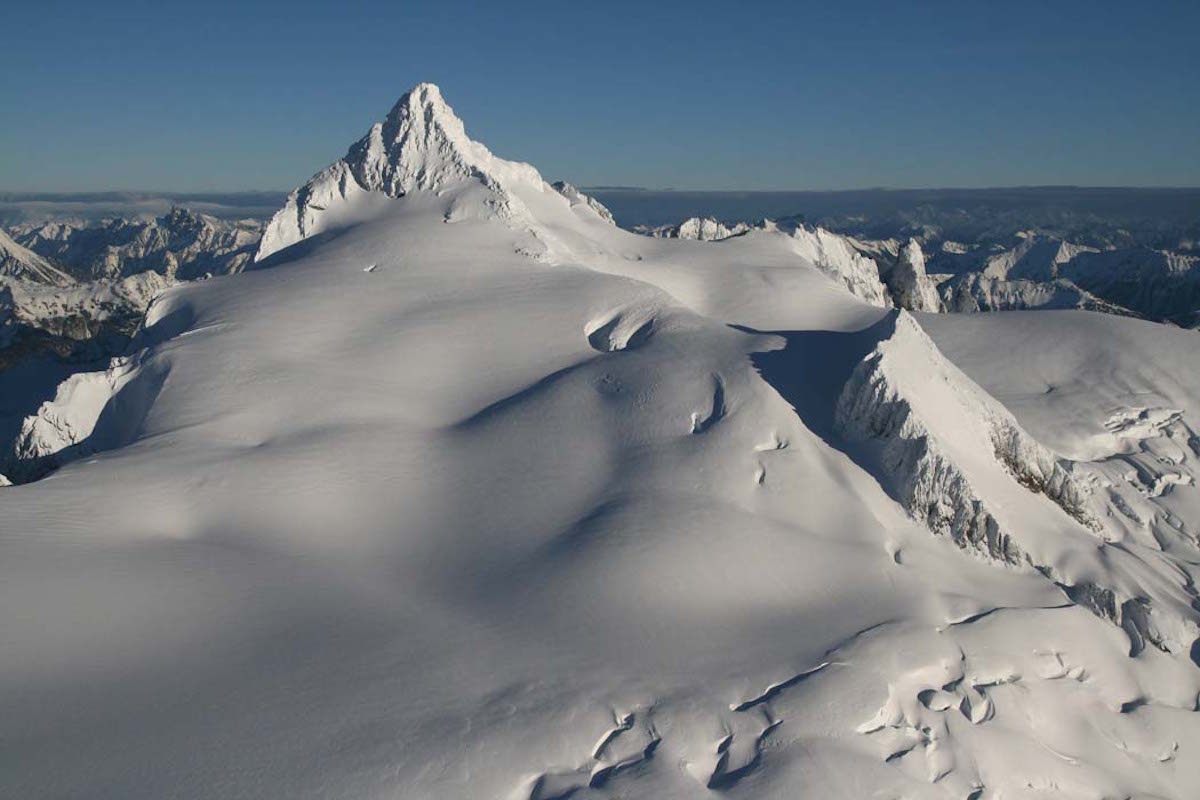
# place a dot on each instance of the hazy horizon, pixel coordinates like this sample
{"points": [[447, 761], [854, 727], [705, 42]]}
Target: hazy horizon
{"points": [[688, 96]]}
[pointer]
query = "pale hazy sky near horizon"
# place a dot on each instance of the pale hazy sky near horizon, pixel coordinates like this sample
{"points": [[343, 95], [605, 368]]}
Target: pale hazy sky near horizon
{"points": [[228, 96]]}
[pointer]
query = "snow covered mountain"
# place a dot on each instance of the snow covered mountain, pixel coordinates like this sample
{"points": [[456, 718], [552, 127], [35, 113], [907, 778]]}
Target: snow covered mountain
{"points": [[80, 320], [975, 291], [179, 245], [1155, 283], [462, 491], [19, 262], [1034, 258], [1047, 272], [704, 229], [420, 146], [43, 308]]}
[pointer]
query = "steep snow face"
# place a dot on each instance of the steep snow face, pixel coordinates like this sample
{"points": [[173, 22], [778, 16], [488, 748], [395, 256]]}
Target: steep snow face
{"points": [[178, 245], [1118, 396], [100, 410], [944, 442], [908, 282], [68, 419], [19, 262], [836, 257], [960, 463], [421, 145]]}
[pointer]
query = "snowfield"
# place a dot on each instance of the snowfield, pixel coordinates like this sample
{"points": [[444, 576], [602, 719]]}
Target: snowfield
{"points": [[461, 491]]}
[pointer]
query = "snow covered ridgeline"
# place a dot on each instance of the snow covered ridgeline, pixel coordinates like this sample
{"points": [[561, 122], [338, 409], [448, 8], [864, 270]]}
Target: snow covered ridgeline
{"points": [[1039, 271], [17, 261], [881, 275], [958, 461], [179, 245], [78, 291], [408, 512], [74, 320]]}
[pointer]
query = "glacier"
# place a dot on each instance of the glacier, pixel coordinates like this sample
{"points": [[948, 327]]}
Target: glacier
{"points": [[459, 490]]}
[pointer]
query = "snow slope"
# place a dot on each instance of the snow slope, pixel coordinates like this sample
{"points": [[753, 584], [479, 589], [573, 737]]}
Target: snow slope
{"points": [[464, 492], [18, 262]]}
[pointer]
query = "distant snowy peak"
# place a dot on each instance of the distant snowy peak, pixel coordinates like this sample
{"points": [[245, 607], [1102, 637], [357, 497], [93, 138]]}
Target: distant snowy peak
{"points": [[975, 291], [1034, 258], [178, 245], [703, 229], [19, 262], [1043, 271], [421, 145]]}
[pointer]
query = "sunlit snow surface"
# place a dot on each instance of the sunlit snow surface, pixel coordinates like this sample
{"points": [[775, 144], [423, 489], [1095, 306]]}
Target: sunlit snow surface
{"points": [[535, 507]]}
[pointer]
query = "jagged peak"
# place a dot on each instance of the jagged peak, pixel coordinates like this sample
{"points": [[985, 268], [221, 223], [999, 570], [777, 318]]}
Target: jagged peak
{"points": [[421, 145], [912, 253], [182, 220], [20, 262]]}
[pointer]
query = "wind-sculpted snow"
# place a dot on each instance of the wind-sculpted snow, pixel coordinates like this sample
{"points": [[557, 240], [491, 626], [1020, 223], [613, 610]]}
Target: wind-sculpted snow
{"points": [[445, 503]]}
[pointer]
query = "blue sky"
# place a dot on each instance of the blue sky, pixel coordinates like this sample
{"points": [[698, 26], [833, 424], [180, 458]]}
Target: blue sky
{"points": [[126, 94]]}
